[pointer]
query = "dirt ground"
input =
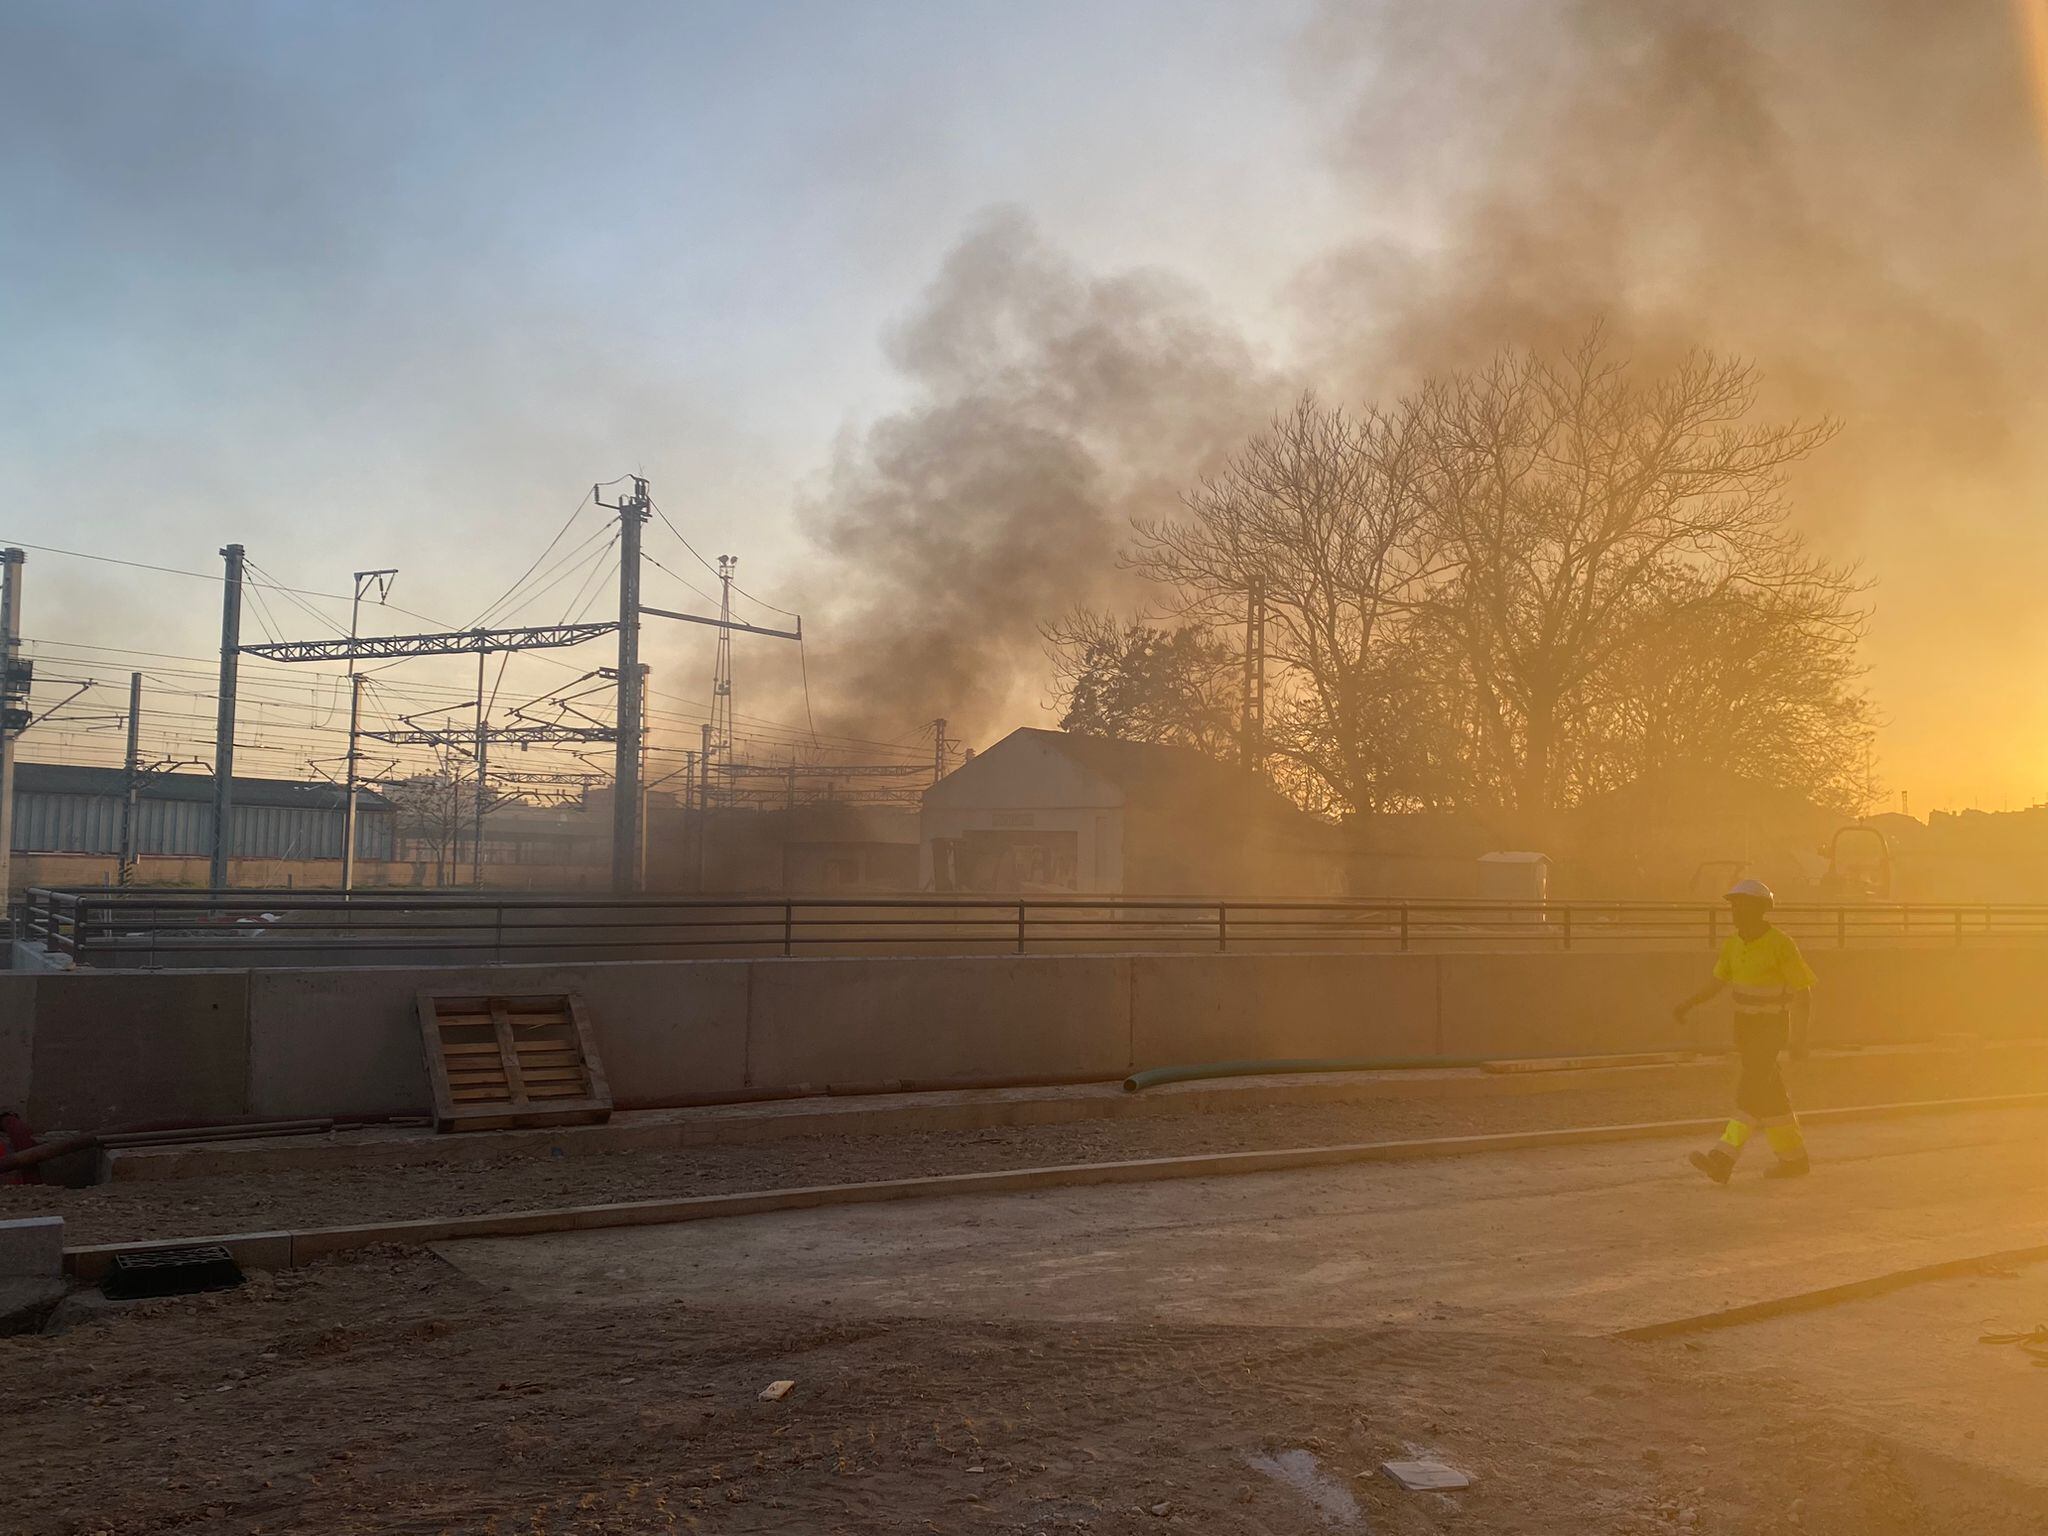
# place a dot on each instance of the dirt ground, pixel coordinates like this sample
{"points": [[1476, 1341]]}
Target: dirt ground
{"points": [[1594, 1239], [515, 1394], [299, 1199], [389, 1393], [1916, 1364]]}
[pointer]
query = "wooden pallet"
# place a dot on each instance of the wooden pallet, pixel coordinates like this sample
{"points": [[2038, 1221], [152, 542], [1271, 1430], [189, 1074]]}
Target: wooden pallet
{"points": [[504, 1061]]}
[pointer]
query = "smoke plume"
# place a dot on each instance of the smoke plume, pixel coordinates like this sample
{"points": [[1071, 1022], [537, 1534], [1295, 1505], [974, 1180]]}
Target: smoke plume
{"points": [[1849, 192], [1048, 407]]}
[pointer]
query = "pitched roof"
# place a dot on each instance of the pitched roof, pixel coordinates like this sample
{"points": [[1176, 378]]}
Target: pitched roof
{"points": [[79, 779], [1151, 774]]}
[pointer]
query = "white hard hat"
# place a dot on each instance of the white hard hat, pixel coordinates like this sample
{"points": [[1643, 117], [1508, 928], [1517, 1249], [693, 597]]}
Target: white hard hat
{"points": [[1753, 890]]}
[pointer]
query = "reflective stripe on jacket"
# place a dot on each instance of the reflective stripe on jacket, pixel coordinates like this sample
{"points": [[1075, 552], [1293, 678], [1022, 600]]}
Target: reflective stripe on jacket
{"points": [[1763, 972]]}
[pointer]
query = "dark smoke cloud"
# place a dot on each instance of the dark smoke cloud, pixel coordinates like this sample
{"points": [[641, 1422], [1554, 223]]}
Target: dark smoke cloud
{"points": [[1850, 192], [1049, 407]]}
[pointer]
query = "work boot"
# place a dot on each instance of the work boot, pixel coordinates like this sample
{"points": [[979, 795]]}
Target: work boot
{"points": [[1789, 1168], [1716, 1165]]}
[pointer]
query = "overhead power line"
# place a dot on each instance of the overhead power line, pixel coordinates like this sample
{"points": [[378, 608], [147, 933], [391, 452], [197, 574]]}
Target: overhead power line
{"points": [[459, 642], [212, 576], [743, 592]]}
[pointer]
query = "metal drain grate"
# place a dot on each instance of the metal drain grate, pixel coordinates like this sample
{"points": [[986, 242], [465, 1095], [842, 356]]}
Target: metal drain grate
{"points": [[170, 1272]]}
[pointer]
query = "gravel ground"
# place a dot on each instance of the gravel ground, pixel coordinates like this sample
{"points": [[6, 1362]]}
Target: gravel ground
{"points": [[337, 1197], [385, 1392]]}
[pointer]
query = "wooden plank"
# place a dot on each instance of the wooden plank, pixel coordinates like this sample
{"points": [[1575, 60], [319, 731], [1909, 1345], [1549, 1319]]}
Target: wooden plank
{"points": [[437, 1068], [508, 1052], [555, 1112], [534, 1119], [511, 1061], [586, 1040]]}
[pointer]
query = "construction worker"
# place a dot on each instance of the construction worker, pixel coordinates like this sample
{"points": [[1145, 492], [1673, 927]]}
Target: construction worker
{"points": [[1773, 1008]]}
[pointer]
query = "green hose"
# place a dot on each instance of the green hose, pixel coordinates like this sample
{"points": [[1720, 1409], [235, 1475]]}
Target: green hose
{"points": [[1152, 1077]]}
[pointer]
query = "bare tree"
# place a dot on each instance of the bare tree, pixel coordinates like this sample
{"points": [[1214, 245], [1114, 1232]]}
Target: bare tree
{"points": [[432, 809], [1323, 520], [1526, 584], [1586, 516], [1762, 684]]}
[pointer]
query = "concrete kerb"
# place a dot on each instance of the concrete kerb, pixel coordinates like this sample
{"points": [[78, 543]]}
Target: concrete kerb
{"points": [[892, 1114], [32, 1248], [898, 1113], [251, 1250], [1834, 1295], [262, 1250]]}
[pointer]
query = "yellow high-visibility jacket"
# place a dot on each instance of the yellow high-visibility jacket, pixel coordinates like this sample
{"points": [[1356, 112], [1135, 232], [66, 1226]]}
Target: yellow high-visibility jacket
{"points": [[1763, 972]]}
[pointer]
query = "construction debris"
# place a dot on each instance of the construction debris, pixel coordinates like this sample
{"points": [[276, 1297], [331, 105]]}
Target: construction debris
{"points": [[1426, 1476], [2034, 1342]]}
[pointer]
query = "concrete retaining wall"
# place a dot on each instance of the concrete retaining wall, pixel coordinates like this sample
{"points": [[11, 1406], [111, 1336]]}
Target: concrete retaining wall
{"points": [[1570, 1004], [101, 1048], [869, 1021], [348, 1041], [17, 1039], [1188, 1008], [130, 1046]]}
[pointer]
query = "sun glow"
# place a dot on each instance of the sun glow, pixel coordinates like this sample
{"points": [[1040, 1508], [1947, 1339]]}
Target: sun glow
{"points": [[2032, 16]]}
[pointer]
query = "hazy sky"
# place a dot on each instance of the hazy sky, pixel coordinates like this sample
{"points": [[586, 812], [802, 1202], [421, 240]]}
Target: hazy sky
{"points": [[355, 283], [391, 284]]}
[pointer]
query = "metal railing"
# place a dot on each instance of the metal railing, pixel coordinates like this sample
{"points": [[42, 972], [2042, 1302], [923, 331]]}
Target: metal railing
{"points": [[138, 928]]}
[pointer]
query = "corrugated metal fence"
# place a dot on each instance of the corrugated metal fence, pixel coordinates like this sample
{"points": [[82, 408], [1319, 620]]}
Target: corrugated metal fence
{"points": [[55, 823]]}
